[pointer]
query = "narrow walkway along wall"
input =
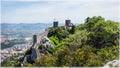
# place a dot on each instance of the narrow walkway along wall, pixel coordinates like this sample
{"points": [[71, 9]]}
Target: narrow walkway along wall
{"points": [[36, 42]]}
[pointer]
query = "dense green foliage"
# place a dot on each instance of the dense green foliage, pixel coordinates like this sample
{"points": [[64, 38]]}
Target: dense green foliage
{"points": [[59, 32], [91, 44], [11, 62]]}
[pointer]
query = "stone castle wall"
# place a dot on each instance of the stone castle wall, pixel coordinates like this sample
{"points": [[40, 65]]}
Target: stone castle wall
{"points": [[37, 38]]}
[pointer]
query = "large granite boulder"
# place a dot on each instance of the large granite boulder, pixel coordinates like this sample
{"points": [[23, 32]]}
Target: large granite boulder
{"points": [[46, 43], [33, 55]]}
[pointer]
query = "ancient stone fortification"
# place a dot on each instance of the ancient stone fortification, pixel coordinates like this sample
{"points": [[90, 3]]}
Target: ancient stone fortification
{"points": [[37, 38], [35, 52], [55, 24], [68, 24]]}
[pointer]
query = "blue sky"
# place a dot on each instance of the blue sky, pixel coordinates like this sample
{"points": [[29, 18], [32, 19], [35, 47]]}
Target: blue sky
{"points": [[45, 11]]}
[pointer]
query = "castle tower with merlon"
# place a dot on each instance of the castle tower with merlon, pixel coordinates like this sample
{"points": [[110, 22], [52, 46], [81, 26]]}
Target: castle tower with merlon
{"points": [[68, 24], [55, 24], [34, 39]]}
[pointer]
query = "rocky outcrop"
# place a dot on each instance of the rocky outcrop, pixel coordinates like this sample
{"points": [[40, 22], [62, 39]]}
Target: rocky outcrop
{"points": [[35, 51], [45, 44], [30, 57], [33, 55], [114, 63]]}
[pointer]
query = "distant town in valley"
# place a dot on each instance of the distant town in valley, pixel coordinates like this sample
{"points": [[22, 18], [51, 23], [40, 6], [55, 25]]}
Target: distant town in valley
{"points": [[16, 39]]}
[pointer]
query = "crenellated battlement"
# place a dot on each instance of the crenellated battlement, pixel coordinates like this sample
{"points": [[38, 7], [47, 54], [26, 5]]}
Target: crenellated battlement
{"points": [[37, 38], [68, 24]]}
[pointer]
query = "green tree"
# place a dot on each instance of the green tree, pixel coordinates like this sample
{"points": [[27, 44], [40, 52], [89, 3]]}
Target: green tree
{"points": [[77, 40], [85, 57], [72, 30], [108, 53], [45, 61], [64, 57]]}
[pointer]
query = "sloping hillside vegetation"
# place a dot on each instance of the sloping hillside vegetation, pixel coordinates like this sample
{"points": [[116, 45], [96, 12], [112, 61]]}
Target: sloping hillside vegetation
{"points": [[91, 44]]}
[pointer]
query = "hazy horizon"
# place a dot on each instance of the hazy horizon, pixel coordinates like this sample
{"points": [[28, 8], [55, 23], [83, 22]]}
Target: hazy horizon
{"points": [[40, 11]]}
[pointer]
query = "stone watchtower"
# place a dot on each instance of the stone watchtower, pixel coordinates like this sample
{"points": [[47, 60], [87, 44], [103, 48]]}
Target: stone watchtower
{"points": [[34, 39], [55, 24], [67, 23]]}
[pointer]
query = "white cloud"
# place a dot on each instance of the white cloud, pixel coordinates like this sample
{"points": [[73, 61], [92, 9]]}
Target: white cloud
{"points": [[75, 10]]}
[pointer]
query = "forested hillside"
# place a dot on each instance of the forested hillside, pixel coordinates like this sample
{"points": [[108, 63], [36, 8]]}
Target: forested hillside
{"points": [[91, 44]]}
